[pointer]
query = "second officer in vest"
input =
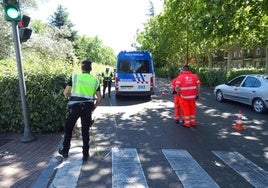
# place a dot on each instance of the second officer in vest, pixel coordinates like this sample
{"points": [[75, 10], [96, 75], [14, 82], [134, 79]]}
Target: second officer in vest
{"points": [[81, 90], [107, 81]]}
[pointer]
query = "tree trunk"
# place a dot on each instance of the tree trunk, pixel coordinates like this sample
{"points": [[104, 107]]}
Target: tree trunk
{"points": [[229, 59], [266, 64], [210, 60]]}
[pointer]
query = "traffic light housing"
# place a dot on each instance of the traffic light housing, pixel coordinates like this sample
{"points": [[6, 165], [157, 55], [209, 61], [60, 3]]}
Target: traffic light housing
{"points": [[12, 10], [24, 32]]}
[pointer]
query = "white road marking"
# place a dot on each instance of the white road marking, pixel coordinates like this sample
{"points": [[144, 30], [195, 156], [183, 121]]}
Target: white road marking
{"points": [[190, 173], [126, 169], [254, 174], [69, 170]]}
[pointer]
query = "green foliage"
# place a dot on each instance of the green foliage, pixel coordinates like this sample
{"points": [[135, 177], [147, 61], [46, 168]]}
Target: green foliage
{"points": [[199, 28], [56, 42], [161, 72], [236, 72], [45, 83], [92, 48], [211, 77], [60, 19], [5, 37], [48, 47], [208, 77], [46, 103]]}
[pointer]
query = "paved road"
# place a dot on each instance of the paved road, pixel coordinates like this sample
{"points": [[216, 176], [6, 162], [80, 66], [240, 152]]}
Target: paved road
{"points": [[135, 143]]}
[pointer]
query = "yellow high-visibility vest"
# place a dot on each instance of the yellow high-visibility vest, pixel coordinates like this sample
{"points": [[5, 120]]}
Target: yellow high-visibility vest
{"points": [[84, 85]]}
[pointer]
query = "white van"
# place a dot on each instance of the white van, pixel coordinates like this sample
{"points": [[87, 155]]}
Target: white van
{"points": [[135, 74]]}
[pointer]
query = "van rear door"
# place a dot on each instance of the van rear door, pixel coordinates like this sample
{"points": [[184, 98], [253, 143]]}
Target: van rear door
{"points": [[134, 82], [134, 74]]}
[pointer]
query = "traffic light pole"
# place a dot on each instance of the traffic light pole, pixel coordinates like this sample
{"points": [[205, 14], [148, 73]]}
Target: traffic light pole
{"points": [[27, 137]]}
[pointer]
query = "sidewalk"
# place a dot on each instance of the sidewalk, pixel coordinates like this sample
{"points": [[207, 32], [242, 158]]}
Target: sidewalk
{"points": [[25, 164]]}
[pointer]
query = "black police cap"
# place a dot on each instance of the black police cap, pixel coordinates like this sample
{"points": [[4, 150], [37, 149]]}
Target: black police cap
{"points": [[86, 65]]}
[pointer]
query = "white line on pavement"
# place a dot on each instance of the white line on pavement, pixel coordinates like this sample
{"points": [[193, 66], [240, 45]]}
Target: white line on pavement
{"points": [[190, 173], [255, 175], [69, 170], [126, 169]]}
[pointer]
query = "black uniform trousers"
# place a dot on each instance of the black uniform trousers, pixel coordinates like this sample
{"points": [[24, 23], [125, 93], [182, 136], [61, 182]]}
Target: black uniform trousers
{"points": [[107, 83], [82, 110]]}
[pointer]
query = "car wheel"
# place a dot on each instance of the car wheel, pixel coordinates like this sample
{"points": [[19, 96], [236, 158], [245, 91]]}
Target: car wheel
{"points": [[219, 95], [258, 105]]}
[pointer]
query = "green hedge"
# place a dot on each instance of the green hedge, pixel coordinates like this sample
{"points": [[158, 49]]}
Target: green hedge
{"points": [[209, 77], [237, 72], [214, 77], [44, 92]]}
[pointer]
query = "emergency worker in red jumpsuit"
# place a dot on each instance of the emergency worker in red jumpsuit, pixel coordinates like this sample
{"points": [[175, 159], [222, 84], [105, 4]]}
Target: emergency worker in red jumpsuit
{"points": [[187, 87], [176, 100]]}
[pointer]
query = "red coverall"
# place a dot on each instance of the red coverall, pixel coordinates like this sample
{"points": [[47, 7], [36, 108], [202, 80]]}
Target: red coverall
{"points": [[176, 100], [188, 84]]}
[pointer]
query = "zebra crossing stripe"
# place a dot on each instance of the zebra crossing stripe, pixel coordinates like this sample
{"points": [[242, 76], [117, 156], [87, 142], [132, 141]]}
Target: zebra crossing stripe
{"points": [[190, 173], [126, 169], [69, 170], [254, 174]]}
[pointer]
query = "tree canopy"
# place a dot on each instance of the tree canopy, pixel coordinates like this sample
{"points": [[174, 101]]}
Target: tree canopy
{"points": [[203, 27], [55, 41]]}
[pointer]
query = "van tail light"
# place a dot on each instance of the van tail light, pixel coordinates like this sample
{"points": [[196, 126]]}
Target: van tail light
{"points": [[116, 84], [152, 84]]}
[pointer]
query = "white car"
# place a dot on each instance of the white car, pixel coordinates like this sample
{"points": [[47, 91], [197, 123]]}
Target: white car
{"points": [[248, 89]]}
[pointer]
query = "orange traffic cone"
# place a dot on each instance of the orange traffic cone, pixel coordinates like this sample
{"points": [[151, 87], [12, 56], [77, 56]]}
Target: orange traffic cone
{"points": [[163, 93], [238, 124]]}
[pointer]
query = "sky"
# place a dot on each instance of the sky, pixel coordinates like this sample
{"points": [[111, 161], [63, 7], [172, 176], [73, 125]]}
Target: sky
{"points": [[115, 22]]}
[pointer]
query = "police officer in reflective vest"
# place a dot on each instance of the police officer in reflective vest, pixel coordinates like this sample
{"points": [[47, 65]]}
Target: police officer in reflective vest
{"points": [[107, 81], [187, 87], [81, 90]]}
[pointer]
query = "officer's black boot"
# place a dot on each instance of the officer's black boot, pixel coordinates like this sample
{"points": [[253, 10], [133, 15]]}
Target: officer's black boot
{"points": [[66, 145], [64, 152], [85, 154]]}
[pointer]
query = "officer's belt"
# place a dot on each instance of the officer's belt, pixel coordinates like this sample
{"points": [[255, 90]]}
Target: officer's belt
{"points": [[71, 103]]}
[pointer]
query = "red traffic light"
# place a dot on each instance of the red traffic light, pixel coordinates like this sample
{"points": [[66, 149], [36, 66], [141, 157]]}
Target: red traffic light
{"points": [[24, 21], [24, 32]]}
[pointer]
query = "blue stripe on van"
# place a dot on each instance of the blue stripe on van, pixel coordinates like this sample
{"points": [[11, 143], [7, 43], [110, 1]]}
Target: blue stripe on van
{"points": [[139, 77], [127, 77]]}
